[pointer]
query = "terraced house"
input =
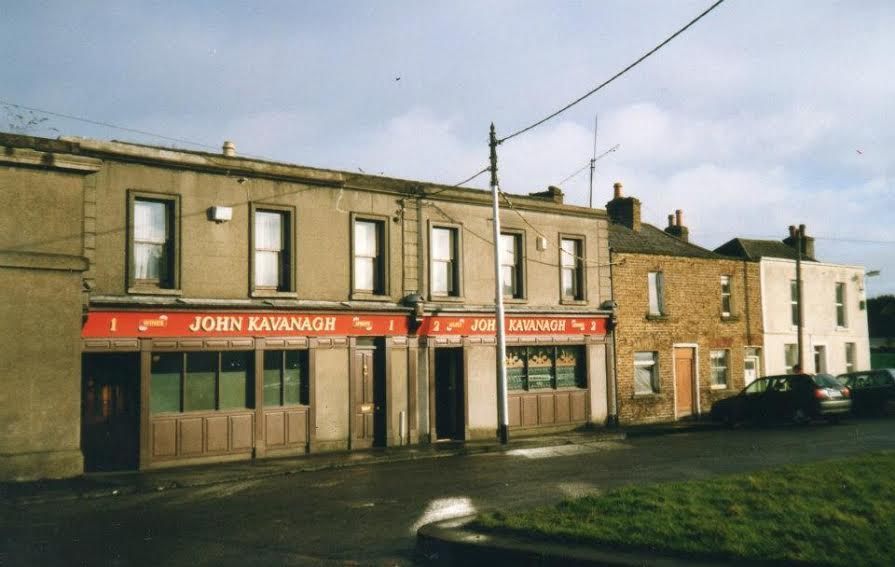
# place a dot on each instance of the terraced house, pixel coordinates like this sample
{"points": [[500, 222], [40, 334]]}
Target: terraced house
{"points": [[164, 307], [689, 319]]}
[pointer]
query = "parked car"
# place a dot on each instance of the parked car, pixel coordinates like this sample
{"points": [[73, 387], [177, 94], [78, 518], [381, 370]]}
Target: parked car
{"points": [[795, 397], [873, 391]]}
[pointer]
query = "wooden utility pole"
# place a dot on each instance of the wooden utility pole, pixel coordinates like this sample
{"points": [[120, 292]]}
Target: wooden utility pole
{"points": [[503, 430]]}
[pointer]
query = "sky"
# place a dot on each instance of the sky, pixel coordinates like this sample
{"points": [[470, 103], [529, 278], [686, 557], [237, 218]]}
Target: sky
{"points": [[762, 115]]}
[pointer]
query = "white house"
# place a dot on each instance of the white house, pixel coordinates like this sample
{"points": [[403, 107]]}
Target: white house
{"points": [[834, 333]]}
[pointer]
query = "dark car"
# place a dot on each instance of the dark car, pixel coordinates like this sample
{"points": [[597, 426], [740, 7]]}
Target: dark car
{"points": [[795, 397], [873, 391]]}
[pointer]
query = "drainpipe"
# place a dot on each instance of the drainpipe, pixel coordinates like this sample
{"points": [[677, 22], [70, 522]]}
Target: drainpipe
{"points": [[612, 390]]}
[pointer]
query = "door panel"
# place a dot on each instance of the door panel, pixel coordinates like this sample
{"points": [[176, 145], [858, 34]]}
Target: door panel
{"points": [[683, 380], [364, 406], [449, 398]]}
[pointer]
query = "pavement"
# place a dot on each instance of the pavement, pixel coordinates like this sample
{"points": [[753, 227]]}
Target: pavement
{"points": [[99, 485]]}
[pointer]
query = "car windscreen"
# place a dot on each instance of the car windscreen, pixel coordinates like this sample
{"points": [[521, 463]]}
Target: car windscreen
{"points": [[826, 381]]}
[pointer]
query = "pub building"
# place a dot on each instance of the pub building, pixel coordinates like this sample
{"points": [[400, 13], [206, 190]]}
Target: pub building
{"points": [[235, 308]]}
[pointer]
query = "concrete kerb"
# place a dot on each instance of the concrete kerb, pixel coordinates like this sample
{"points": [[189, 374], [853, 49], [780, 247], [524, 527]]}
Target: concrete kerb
{"points": [[452, 542]]}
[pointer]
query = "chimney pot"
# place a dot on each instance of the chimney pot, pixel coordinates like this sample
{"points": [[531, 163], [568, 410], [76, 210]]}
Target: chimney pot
{"points": [[670, 221], [618, 189], [679, 216], [802, 230], [229, 148], [792, 231]]}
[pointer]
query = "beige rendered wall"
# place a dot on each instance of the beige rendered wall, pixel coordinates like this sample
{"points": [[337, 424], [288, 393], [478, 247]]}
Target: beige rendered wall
{"points": [[397, 405], [596, 368], [542, 272], [41, 263], [330, 398], [481, 394], [215, 256]]}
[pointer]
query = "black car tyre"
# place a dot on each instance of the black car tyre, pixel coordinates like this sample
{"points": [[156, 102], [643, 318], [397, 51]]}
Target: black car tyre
{"points": [[799, 417]]}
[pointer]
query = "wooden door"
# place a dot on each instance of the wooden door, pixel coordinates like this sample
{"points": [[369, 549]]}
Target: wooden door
{"points": [[684, 359]]}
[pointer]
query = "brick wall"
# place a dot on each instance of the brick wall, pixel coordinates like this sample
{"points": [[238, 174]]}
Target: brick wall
{"points": [[692, 301]]}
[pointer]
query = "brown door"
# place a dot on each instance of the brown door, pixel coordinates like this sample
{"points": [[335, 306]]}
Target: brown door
{"points": [[369, 399], [111, 412], [683, 380]]}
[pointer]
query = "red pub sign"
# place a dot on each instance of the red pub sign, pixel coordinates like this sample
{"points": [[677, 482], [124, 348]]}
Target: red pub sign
{"points": [[112, 324]]}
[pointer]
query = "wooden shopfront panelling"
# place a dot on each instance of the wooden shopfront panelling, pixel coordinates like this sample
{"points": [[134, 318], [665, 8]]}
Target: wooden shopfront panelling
{"points": [[551, 408], [200, 435]]}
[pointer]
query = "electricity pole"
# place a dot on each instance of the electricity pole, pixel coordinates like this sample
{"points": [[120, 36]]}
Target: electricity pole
{"points": [[799, 304], [503, 430]]}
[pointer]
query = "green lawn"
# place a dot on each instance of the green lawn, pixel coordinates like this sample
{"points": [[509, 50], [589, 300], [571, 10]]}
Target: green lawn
{"points": [[831, 513]]}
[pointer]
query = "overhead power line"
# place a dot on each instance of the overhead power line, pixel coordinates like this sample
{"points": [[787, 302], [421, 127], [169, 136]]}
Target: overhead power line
{"points": [[614, 77]]}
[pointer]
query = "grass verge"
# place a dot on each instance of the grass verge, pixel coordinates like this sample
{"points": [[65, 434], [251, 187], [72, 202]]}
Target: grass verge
{"points": [[838, 512]]}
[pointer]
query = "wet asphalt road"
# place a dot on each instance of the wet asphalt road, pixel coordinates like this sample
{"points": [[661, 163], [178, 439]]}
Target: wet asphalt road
{"points": [[369, 514]]}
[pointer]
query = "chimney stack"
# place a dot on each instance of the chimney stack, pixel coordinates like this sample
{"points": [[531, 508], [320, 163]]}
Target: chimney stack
{"points": [[229, 148], [624, 210], [676, 226], [552, 193], [807, 241]]}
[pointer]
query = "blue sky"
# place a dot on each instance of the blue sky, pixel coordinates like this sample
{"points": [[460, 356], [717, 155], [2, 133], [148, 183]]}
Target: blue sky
{"points": [[764, 114]]}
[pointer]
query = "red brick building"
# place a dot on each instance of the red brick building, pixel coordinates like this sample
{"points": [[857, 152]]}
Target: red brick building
{"points": [[689, 319]]}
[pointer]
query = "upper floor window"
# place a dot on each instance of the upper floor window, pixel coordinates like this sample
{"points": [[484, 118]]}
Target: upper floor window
{"points": [[369, 256], [840, 305], [511, 276], [571, 269], [445, 277], [272, 239], [655, 285], [725, 296], [794, 301], [152, 241]]}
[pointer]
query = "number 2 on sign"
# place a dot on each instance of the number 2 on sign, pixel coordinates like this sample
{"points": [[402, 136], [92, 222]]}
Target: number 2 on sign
{"points": [[593, 325]]}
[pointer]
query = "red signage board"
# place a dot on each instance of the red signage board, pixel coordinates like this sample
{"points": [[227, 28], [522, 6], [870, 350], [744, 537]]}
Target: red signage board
{"points": [[483, 325], [110, 324]]}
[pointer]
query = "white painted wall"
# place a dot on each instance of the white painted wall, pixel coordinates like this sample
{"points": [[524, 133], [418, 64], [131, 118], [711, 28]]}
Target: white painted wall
{"points": [[819, 297]]}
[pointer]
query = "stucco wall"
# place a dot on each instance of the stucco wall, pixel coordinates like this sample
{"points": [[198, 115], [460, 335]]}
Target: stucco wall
{"points": [[819, 297], [481, 392], [331, 398]]}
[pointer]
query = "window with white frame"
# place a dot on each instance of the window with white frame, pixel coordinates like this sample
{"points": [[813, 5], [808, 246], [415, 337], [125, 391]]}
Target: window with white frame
{"points": [[511, 276], [272, 238], [849, 357], [571, 266], [720, 360], [444, 253], [152, 236], [655, 285], [794, 301], [725, 296], [790, 357], [369, 256], [646, 372], [840, 305]]}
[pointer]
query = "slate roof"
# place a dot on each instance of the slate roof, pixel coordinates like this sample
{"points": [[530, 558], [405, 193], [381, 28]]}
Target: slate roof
{"points": [[652, 240], [756, 249]]}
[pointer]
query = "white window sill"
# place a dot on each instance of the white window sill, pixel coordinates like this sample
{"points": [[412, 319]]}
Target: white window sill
{"points": [[719, 386]]}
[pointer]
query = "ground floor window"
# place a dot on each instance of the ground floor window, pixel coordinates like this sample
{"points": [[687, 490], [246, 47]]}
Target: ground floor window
{"points": [[720, 360], [543, 367], [646, 372], [791, 357], [286, 377], [201, 381], [849, 357]]}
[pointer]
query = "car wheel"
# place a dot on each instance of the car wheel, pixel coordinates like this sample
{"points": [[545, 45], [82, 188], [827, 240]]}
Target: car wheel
{"points": [[799, 416]]}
